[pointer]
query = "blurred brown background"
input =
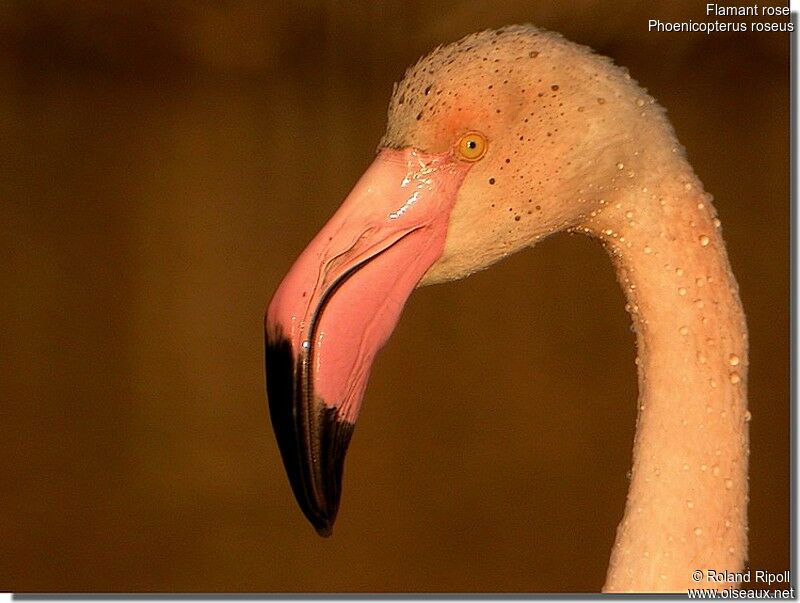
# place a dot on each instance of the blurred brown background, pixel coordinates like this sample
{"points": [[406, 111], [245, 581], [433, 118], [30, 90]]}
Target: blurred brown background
{"points": [[162, 164]]}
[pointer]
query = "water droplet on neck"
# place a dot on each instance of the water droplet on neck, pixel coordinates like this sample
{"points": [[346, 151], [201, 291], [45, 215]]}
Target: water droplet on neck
{"points": [[620, 166], [681, 290], [735, 378], [690, 504], [729, 484], [715, 470], [679, 271], [748, 416], [684, 330], [733, 359], [704, 240], [698, 532]]}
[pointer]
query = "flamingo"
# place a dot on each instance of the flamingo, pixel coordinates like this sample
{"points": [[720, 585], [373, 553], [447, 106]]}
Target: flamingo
{"points": [[493, 143]]}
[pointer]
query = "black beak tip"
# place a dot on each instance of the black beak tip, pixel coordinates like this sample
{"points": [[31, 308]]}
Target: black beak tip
{"points": [[311, 437], [324, 529], [320, 513]]}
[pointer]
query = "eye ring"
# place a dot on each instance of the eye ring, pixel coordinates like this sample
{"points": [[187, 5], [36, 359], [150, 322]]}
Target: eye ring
{"points": [[472, 146]]}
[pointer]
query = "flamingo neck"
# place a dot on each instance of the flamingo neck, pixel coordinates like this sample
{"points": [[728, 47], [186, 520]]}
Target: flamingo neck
{"points": [[687, 505]]}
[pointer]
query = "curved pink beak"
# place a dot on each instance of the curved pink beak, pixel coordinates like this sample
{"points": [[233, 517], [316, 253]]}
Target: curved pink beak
{"points": [[337, 307]]}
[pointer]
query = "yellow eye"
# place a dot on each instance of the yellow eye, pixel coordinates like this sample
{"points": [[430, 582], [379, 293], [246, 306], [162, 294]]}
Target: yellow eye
{"points": [[472, 146]]}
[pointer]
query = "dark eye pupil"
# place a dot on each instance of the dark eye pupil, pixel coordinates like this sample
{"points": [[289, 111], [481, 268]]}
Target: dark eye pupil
{"points": [[472, 144]]}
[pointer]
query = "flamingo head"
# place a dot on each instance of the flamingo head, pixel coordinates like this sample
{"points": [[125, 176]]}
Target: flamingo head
{"points": [[492, 143]]}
